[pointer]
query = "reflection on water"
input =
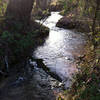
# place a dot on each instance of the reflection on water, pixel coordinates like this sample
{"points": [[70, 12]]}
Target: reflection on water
{"points": [[61, 48]]}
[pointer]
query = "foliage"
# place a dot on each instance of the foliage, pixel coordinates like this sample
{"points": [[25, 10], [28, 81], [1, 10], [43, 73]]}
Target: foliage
{"points": [[68, 5], [86, 10], [16, 46], [87, 85], [87, 81], [3, 6]]}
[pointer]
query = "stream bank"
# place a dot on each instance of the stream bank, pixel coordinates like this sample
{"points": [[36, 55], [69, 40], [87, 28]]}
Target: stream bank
{"points": [[59, 53], [35, 84]]}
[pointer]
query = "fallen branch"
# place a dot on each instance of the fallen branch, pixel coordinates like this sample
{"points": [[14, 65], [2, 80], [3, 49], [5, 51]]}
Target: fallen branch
{"points": [[40, 64]]}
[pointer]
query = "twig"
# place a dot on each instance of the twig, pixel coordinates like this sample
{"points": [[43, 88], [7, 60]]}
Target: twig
{"points": [[3, 73], [6, 62], [43, 20]]}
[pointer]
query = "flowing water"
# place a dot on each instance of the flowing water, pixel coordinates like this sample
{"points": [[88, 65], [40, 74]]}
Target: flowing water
{"points": [[60, 49], [59, 53]]}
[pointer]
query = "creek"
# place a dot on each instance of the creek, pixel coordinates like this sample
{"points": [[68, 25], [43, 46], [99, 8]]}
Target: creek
{"points": [[61, 48], [59, 53]]}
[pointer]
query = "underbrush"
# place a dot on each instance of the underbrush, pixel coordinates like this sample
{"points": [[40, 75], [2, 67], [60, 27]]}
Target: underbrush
{"points": [[17, 43], [15, 47], [86, 85]]}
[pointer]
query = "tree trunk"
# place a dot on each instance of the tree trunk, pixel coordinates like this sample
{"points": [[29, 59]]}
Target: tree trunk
{"points": [[95, 16], [94, 21], [19, 10]]}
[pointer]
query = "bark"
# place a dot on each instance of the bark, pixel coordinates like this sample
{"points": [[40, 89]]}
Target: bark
{"points": [[94, 22], [19, 9], [95, 16]]}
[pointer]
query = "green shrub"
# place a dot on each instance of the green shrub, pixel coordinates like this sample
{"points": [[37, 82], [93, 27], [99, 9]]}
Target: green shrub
{"points": [[16, 46], [3, 6]]}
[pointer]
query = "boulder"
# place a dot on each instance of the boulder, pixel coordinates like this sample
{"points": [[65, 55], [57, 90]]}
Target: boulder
{"points": [[66, 23], [71, 23]]}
